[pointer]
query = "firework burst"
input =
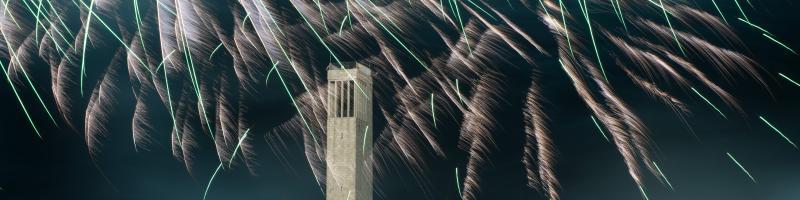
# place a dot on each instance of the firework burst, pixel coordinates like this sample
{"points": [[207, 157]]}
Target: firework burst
{"points": [[202, 65]]}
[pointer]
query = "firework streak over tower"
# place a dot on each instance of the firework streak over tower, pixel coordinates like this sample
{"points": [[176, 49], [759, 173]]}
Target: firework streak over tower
{"points": [[192, 73]]}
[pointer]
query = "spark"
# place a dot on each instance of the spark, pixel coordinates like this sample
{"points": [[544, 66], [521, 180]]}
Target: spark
{"points": [[214, 51], [663, 176], [618, 10], [85, 38], [644, 194], [585, 9], [38, 23], [344, 21], [779, 43], [720, 11], [566, 30], [433, 110], [296, 106], [599, 128], [669, 22], [164, 6], [777, 131], [402, 44], [324, 44], [117, 37], [269, 74], [63, 24], [19, 99], [244, 20], [283, 82], [283, 50], [789, 79], [741, 10], [754, 26], [545, 8], [455, 7], [458, 92], [5, 12], [364, 143], [16, 58], [741, 167], [321, 14], [709, 103], [193, 73], [139, 23], [458, 183], [37, 15], [169, 96], [238, 145], [484, 10], [211, 180]]}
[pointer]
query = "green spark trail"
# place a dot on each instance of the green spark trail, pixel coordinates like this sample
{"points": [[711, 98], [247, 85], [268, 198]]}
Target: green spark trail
{"points": [[85, 38], [238, 145], [721, 15], [789, 79], [779, 43], [458, 183], [599, 128], [19, 100], [644, 194], [671, 28], [741, 167], [777, 131], [566, 30], [433, 110], [585, 9], [364, 143], [741, 10], [709, 103], [663, 176], [211, 180]]}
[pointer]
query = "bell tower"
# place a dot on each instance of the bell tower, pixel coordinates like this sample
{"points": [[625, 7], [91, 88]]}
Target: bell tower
{"points": [[349, 133]]}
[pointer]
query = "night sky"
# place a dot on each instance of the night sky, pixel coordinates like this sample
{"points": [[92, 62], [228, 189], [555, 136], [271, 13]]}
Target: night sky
{"points": [[692, 155]]}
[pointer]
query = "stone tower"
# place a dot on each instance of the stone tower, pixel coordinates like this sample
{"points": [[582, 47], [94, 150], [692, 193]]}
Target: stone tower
{"points": [[349, 133]]}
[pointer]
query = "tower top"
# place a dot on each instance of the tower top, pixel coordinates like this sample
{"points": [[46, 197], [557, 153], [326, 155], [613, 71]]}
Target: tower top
{"points": [[351, 71]]}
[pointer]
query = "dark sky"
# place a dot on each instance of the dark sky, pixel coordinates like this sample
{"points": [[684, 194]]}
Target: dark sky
{"points": [[692, 157]]}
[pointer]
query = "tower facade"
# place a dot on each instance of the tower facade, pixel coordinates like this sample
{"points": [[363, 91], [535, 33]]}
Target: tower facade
{"points": [[349, 134]]}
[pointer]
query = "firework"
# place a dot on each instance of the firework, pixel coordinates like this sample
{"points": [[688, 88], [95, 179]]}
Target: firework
{"points": [[201, 66]]}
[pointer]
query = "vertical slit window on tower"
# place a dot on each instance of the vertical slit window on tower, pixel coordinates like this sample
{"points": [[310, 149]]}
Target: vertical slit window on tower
{"points": [[334, 104], [346, 96], [330, 99], [336, 93], [351, 90], [339, 98]]}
